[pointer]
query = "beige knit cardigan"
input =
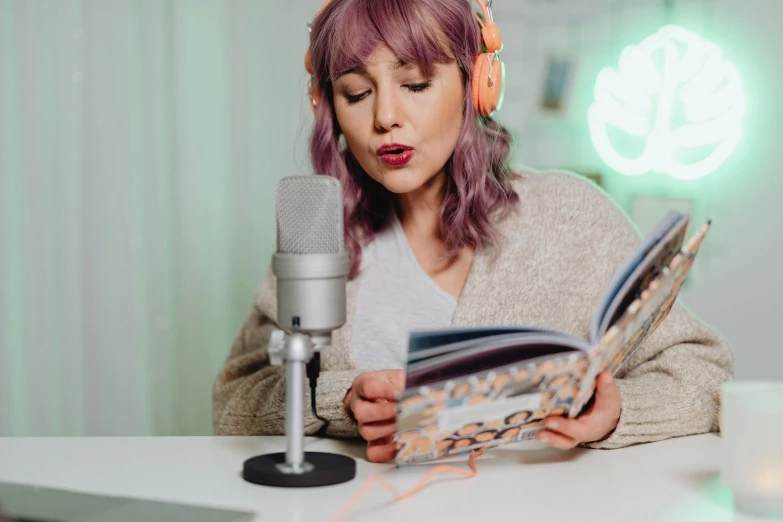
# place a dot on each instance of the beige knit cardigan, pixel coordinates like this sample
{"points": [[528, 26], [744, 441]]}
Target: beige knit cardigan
{"points": [[559, 253]]}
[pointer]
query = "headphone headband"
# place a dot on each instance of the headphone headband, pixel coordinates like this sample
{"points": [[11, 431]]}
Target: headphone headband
{"points": [[486, 9]]}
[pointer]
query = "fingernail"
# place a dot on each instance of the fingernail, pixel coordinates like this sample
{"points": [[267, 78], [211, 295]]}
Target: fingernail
{"points": [[544, 438], [552, 424]]}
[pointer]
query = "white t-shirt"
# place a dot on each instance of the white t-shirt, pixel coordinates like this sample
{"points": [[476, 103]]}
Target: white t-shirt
{"points": [[395, 297]]}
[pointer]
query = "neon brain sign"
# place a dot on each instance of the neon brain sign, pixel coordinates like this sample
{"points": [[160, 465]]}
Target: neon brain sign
{"points": [[672, 106]]}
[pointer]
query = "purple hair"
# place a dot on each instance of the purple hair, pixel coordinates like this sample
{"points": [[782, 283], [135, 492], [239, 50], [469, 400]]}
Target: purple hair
{"points": [[424, 32]]}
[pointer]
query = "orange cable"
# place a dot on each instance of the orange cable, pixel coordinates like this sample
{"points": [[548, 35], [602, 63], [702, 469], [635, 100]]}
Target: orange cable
{"points": [[378, 479]]}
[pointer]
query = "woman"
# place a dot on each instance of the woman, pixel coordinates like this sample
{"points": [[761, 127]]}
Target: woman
{"points": [[443, 233]]}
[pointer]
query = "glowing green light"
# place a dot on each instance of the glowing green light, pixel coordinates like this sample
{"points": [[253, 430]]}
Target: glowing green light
{"points": [[673, 106]]}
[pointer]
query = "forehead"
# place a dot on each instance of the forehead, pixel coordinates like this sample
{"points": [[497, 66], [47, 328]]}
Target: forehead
{"points": [[382, 59]]}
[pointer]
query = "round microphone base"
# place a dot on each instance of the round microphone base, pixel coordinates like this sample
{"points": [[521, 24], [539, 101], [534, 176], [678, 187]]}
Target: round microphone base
{"points": [[327, 469]]}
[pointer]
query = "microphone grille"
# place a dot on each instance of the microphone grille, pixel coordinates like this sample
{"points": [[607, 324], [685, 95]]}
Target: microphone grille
{"points": [[309, 215]]}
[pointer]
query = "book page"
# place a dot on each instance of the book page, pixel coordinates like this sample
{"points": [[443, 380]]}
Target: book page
{"points": [[428, 344], [489, 354], [656, 251], [486, 409], [455, 338], [640, 318]]}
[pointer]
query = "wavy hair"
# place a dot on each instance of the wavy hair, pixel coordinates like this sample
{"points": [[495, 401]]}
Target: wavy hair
{"points": [[478, 186]]}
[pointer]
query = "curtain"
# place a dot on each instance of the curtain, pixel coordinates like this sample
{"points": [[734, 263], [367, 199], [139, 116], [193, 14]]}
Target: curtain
{"points": [[140, 144]]}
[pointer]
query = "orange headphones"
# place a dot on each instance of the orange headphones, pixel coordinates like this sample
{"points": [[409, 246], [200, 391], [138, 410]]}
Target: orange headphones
{"points": [[486, 86]]}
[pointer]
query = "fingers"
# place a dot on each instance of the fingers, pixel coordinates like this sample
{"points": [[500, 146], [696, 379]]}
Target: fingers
{"points": [[381, 450], [556, 440], [606, 389], [373, 395], [366, 412], [605, 413], [371, 388], [576, 429], [396, 378], [377, 430], [595, 424]]}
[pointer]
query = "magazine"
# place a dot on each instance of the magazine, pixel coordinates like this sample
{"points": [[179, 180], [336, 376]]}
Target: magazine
{"points": [[478, 388]]}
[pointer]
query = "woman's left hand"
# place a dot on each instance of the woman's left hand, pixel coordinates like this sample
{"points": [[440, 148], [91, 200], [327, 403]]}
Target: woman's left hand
{"points": [[595, 424]]}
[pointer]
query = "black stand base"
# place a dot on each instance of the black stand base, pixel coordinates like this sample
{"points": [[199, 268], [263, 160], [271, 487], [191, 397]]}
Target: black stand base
{"points": [[328, 469]]}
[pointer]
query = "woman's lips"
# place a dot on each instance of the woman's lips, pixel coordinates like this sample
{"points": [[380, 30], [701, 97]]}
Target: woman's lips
{"points": [[395, 154]]}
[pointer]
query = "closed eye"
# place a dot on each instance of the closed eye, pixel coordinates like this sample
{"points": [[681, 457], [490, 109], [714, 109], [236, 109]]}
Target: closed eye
{"points": [[419, 87], [412, 87], [353, 98]]}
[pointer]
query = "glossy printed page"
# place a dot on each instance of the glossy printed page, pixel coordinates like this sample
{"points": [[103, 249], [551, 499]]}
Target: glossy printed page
{"points": [[486, 409]]}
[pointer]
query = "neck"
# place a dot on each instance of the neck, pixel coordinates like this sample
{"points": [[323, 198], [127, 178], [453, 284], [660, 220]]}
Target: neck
{"points": [[420, 210], [420, 220]]}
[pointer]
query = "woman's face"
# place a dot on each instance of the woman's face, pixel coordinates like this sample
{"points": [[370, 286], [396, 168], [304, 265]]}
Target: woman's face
{"points": [[390, 104]]}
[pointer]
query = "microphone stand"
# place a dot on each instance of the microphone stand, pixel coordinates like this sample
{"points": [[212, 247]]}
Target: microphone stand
{"points": [[298, 350], [295, 467]]}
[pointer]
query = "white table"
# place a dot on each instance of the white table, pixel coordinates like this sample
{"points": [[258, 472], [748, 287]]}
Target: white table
{"points": [[672, 481]]}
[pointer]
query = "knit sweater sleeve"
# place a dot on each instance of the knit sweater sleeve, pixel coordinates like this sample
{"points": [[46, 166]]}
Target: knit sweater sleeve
{"points": [[671, 385], [249, 393]]}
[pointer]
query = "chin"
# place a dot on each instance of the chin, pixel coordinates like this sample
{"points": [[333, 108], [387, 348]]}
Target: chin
{"points": [[401, 181]]}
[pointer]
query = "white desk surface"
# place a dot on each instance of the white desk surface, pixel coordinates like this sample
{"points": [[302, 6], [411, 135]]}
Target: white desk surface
{"points": [[672, 481]]}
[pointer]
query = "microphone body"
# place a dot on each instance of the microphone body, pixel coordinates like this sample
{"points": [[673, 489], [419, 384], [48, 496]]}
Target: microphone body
{"points": [[310, 264], [311, 291]]}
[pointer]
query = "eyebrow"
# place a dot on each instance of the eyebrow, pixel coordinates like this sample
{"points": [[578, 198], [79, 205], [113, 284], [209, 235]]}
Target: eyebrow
{"points": [[362, 70]]}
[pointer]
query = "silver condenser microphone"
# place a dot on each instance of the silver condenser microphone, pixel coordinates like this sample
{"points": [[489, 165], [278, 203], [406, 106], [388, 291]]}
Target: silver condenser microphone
{"points": [[310, 263], [310, 267]]}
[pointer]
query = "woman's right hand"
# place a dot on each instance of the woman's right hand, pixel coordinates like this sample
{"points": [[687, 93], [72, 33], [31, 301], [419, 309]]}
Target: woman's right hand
{"points": [[371, 401]]}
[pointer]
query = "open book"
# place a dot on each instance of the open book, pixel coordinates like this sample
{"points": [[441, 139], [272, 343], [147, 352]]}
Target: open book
{"points": [[479, 388]]}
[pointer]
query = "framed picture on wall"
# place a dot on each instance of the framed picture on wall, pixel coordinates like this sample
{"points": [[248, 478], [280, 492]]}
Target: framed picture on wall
{"points": [[558, 81]]}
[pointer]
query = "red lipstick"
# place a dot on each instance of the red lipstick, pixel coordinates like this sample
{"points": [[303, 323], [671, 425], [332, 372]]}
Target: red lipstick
{"points": [[395, 154]]}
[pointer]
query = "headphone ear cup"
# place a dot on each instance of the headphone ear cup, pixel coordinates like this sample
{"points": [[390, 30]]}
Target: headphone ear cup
{"points": [[307, 64], [312, 94], [480, 72], [487, 89], [497, 92]]}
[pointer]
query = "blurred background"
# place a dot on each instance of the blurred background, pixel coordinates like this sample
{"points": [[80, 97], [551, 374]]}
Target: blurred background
{"points": [[141, 141]]}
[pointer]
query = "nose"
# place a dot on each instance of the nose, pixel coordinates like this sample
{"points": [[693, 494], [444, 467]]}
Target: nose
{"points": [[388, 114]]}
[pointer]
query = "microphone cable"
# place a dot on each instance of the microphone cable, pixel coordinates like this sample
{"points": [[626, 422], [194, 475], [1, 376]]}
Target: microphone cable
{"points": [[313, 371], [377, 478]]}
